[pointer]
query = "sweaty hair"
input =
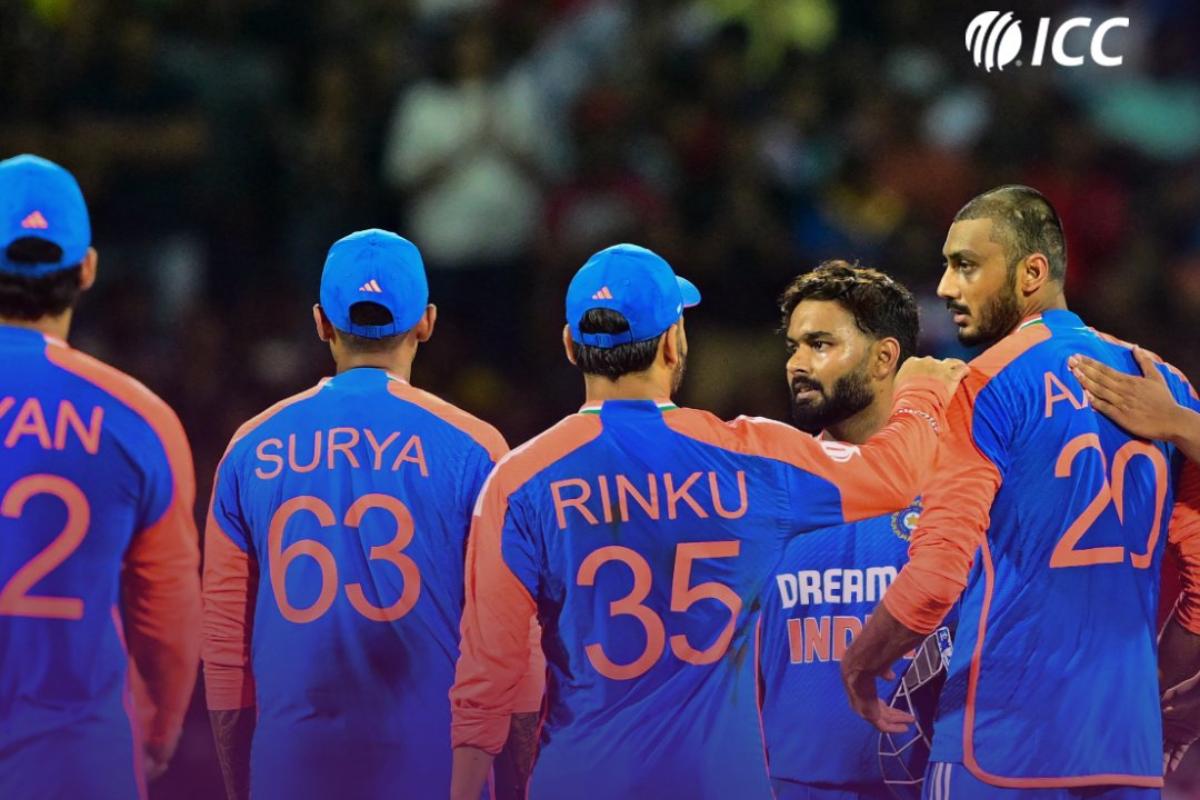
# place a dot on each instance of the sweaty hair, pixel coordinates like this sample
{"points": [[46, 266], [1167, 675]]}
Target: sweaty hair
{"points": [[368, 313], [882, 308], [1026, 223], [612, 362], [28, 298]]}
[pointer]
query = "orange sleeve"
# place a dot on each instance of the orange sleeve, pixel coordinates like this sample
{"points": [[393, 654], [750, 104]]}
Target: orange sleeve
{"points": [[230, 583], [875, 478], [161, 593], [956, 511], [894, 464], [1183, 539], [496, 631], [533, 684]]}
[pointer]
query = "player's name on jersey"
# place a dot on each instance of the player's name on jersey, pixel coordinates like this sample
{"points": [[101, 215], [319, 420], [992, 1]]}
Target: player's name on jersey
{"points": [[808, 587], [599, 499], [340, 448], [49, 425], [824, 638]]}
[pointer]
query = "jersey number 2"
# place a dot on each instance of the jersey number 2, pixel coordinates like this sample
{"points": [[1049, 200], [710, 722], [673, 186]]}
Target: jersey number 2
{"points": [[1066, 554], [683, 596], [15, 600]]}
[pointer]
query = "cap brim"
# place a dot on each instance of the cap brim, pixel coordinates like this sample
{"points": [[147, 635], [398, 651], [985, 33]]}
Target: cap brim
{"points": [[691, 295]]}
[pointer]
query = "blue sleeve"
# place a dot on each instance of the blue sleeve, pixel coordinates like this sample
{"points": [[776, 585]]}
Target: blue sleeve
{"points": [[226, 511]]}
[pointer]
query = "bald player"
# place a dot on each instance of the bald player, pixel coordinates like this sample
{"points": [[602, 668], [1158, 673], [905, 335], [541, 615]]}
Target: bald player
{"points": [[641, 535], [1051, 521], [99, 556], [334, 556]]}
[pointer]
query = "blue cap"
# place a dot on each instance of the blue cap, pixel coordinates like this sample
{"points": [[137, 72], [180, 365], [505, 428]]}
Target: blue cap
{"points": [[634, 281], [377, 267], [40, 199]]}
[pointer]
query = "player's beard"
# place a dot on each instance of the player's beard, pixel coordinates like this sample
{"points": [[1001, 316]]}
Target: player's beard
{"points": [[851, 394], [997, 318]]}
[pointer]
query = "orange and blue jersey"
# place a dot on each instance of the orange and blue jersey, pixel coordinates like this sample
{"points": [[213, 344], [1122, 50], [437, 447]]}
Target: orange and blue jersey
{"points": [[642, 536], [99, 562], [823, 590], [334, 584], [1053, 683]]}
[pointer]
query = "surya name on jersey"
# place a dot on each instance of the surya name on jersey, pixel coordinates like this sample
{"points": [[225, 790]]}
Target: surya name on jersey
{"points": [[826, 637], [335, 448], [30, 422], [606, 498]]}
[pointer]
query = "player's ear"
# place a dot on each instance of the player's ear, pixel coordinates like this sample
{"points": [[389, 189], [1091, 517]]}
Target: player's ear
{"points": [[1033, 272], [423, 330], [886, 358], [671, 345], [568, 344], [324, 326], [87, 269]]}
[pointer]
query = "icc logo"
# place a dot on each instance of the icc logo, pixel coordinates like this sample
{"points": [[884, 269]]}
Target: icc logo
{"points": [[994, 41]]}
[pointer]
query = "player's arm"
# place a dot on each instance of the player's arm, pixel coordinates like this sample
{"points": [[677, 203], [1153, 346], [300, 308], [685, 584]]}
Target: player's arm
{"points": [[957, 507], [889, 470], [495, 647], [1142, 405], [160, 592], [230, 585], [514, 764], [1179, 645]]}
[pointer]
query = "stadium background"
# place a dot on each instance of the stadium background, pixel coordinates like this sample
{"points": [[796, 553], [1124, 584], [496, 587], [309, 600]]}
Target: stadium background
{"points": [[223, 145]]}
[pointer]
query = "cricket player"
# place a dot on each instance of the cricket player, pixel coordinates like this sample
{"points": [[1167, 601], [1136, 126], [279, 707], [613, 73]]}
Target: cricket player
{"points": [[642, 536], [334, 555], [99, 554], [1053, 688], [848, 331]]}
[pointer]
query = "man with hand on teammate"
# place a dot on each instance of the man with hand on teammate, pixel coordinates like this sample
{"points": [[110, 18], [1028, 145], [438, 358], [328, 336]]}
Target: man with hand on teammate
{"points": [[632, 531], [1053, 522]]}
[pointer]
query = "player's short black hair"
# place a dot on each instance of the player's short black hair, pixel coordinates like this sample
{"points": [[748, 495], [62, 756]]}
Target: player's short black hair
{"points": [[882, 307], [1026, 224], [28, 298], [368, 313], [612, 362]]}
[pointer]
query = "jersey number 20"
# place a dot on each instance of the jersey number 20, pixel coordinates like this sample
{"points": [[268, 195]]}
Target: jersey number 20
{"points": [[1066, 554]]}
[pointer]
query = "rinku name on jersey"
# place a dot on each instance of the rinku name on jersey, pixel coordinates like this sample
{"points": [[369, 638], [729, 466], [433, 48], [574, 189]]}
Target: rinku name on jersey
{"points": [[29, 422], [335, 447], [609, 498]]}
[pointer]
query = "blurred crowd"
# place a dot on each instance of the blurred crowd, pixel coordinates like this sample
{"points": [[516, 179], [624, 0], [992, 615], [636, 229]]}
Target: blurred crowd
{"points": [[224, 145]]}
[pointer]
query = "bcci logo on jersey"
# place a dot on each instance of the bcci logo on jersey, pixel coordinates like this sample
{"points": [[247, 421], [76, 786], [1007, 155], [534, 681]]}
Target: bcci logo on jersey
{"points": [[994, 41], [905, 522]]}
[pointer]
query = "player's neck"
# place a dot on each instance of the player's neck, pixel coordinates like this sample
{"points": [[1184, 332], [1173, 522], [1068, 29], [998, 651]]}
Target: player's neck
{"points": [[398, 364], [866, 423], [629, 387], [1052, 301], [58, 326]]}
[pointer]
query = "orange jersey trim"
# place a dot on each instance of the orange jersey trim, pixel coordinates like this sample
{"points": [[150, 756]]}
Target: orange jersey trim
{"points": [[969, 759], [161, 580], [482, 433], [230, 584], [497, 638], [956, 502], [876, 478]]}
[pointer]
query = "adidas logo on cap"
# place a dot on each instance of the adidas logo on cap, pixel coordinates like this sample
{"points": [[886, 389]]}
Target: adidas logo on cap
{"points": [[371, 286]]}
